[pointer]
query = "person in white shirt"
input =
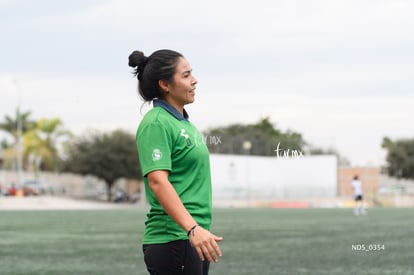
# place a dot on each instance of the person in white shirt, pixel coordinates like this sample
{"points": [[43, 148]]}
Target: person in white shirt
{"points": [[359, 207]]}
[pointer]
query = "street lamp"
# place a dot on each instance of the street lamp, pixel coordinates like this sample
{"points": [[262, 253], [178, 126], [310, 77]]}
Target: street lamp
{"points": [[19, 147], [19, 136], [247, 146]]}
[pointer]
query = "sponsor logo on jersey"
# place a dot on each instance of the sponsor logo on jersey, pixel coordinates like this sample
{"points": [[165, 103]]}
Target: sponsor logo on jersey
{"points": [[156, 154]]}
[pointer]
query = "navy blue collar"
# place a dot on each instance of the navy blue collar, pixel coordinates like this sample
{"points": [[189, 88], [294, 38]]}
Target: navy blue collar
{"points": [[169, 108]]}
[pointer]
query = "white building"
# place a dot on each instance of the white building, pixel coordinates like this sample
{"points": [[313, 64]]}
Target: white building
{"points": [[238, 177]]}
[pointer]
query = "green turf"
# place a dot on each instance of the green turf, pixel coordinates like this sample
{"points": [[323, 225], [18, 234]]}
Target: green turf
{"points": [[257, 241]]}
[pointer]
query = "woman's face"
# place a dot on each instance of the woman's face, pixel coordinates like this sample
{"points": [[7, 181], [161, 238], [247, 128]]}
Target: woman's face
{"points": [[181, 90]]}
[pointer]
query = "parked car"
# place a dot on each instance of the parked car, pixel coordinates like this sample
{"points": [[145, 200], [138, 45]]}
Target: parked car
{"points": [[34, 187], [30, 189], [41, 187], [8, 189]]}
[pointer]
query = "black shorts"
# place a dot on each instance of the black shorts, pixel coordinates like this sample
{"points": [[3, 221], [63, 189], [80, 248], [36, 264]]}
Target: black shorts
{"points": [[358, 198], [176, 257]]}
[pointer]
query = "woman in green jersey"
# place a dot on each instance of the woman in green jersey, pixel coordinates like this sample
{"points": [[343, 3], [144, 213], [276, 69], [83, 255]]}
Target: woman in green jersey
{"points": [[176, 169]]}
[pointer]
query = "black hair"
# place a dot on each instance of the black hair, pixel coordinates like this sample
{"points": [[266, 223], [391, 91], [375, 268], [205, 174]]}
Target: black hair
{"points": [[160, 65]]}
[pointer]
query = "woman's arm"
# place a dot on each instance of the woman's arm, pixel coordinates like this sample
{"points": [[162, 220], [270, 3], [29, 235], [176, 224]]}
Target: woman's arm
{"points": [[204, 242]]}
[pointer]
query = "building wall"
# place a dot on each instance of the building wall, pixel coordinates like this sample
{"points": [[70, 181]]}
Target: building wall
{"points": [[237, 177], [78, 186], [71, 184]]}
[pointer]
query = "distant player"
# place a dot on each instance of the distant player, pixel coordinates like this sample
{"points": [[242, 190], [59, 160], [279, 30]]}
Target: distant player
{"points": [[359, 207]]}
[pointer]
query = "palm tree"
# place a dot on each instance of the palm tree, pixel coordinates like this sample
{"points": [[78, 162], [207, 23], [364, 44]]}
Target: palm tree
{"points": [[10, 124], [16, 126], [40, 144]]}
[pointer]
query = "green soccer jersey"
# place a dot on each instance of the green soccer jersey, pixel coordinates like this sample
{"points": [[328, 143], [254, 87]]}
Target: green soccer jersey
{"points": [[166, 140]]}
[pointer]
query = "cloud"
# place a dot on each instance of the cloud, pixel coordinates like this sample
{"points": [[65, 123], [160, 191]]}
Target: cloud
{"points": [[238, 35], [324, 68]]}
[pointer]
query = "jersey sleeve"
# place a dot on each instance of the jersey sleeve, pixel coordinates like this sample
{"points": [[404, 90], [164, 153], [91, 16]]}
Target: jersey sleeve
{"points": [[154, 148]]}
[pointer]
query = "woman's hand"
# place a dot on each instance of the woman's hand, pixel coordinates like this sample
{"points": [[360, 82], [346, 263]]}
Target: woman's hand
{"points": [[205, 244]]}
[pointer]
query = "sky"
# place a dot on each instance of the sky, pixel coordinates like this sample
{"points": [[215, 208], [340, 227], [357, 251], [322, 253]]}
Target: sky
{"points": [[341, 73]]}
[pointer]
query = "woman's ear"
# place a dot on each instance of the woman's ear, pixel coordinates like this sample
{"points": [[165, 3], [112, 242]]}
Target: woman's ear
{"points": [[164, 86]]}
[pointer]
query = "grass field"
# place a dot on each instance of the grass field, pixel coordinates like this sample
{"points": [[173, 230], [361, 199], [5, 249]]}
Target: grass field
{"points": [[256, 241]]}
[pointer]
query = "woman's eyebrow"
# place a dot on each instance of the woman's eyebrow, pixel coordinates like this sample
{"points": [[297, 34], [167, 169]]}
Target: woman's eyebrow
{"points": [[187, 71]]}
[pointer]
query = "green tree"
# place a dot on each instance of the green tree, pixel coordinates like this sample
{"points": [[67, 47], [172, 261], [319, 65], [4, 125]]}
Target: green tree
{"points": [[42, 142], [262, 136], [400, 157], [108, 156], [10, 123]]}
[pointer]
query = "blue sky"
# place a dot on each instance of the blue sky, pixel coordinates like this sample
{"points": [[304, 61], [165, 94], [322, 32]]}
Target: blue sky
{"points": [[339, 72]]}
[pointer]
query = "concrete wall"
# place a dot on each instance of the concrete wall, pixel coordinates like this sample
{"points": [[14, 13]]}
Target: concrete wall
{"points": [[63, 183], [237, 177]]}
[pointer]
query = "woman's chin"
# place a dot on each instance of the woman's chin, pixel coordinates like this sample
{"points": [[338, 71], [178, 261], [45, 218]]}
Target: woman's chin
{"points": [[191, 99]]}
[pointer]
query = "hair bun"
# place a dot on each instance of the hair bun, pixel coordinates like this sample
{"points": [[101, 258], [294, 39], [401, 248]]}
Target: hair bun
{"points": [[137, 59]]}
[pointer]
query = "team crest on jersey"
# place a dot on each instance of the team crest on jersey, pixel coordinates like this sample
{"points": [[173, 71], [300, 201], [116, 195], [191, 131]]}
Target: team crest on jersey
{"points": [[186, 136], [156, 154]]}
